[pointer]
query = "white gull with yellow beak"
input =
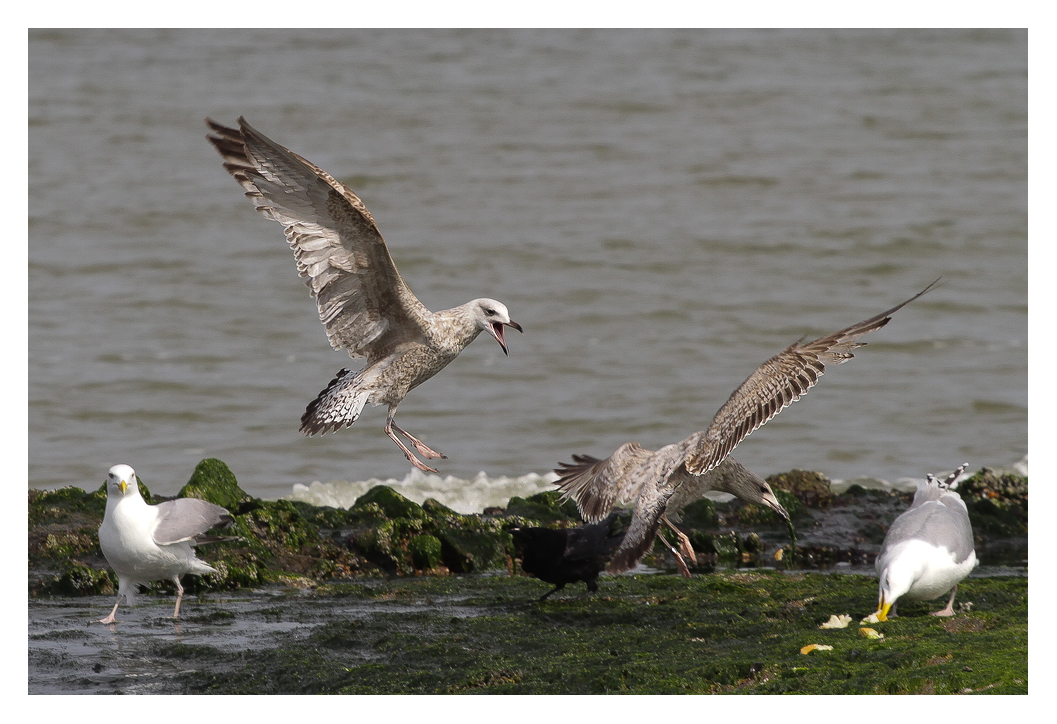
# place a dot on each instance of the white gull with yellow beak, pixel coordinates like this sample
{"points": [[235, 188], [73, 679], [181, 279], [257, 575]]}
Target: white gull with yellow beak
{"points": [[928, 549], [145, 543]]}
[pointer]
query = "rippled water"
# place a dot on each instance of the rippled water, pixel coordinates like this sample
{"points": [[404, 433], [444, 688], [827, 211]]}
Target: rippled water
{"points": [[661, 210]]}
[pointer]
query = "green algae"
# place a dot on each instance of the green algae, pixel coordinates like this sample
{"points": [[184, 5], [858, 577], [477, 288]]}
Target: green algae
{"points": [[644, 634], [213, 481], [302, 545]]}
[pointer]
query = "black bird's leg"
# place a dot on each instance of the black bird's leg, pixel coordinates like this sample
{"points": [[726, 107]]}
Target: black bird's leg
{"points": [[557, 588]]}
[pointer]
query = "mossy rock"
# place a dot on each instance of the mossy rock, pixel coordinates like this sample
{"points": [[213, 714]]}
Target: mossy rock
{"points": [[425, 551], [435, 509], [810, 487], [79, 579], [57, 506], [466, 551], [391, 503], [213, 481], [386, 544], [546, 507], [700, 514], [275, 525]]}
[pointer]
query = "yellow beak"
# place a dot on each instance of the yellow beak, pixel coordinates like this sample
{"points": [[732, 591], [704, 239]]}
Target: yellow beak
{"points": [[124, 487], [883, 609]]}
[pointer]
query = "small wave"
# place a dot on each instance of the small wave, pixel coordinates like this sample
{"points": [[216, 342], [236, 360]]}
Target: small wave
{"points": [[459, 494]]}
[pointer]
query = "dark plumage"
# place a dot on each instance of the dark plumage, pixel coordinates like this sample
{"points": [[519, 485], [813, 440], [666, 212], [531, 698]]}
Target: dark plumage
{"points": [[566, 555]]}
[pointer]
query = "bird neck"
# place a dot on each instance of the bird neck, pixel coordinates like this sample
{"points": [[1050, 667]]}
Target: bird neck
{"points": [[452, 329]]}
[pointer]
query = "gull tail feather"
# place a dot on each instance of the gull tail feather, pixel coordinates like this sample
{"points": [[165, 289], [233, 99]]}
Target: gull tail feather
{"points": [[338, 406]]}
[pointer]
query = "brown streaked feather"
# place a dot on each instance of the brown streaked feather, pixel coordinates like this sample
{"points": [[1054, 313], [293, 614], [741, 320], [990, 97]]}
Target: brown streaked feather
{"points": [[363, 302], [776, 384], [597, 485]]}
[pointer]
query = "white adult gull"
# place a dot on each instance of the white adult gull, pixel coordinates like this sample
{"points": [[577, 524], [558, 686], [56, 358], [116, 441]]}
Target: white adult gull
{"points": [[145, 543], [659, 484], [928, 549], [364, 304]]}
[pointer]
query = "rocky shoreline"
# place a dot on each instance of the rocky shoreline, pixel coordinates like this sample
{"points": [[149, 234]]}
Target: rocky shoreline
{"points": [[384, 534]]}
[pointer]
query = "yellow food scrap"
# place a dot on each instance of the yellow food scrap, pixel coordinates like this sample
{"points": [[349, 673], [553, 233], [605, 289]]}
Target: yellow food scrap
{"points": [[815, 647], [870, 633], [836, 621], [872, 618]]}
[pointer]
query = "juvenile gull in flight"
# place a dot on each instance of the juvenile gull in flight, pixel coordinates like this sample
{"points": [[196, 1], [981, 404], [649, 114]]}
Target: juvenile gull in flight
{"points": [[663, 482], [145, 543], [364, 304], [928, 549]]}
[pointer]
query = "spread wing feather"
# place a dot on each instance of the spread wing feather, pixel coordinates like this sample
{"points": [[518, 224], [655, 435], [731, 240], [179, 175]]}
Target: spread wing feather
{"points": [[363, 302], [597, 485], [776, 384]]}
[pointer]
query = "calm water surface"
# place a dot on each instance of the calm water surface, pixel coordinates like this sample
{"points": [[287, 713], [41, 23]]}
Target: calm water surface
{"points": [[661, 210]]}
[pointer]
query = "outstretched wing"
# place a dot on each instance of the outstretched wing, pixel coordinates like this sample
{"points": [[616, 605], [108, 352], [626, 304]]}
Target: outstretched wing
{"points": [[187, 518], [776, 384], [363, 302], [597, 485]]}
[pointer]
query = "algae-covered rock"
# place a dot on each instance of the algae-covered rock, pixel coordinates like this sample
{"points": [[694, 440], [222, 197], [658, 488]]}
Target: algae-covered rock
{"points": [[810, 487], [546, 506], [699, 514], [468, 551], [997, 502], [425, 551], [391, 503], [79, 579], [214, 482]]}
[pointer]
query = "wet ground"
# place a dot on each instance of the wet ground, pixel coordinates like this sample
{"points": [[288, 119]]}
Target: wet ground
{"points": [[646, 633]]}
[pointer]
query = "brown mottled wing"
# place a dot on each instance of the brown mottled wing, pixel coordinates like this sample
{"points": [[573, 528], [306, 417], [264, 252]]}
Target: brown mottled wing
{"points": [[596, 485], [363, 302], [777, 383]]}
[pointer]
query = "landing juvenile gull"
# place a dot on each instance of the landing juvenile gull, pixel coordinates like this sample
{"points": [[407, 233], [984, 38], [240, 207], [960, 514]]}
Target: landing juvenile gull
{"points": [[566, 555], [661, 483], [364, 304], [145, 543], [928, 549]]}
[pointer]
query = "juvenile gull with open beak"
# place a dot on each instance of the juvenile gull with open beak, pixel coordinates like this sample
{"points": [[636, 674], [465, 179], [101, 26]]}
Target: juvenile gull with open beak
{"points": [[364, 304], [663, 482]]}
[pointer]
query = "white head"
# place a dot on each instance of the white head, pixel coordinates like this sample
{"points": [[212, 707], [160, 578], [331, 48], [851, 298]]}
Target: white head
{"points": [[121, 480], [895, 579], [490, 315]]}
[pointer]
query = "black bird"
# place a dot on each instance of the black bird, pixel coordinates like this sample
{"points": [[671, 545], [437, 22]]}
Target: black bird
{"points": [[567, 555]]}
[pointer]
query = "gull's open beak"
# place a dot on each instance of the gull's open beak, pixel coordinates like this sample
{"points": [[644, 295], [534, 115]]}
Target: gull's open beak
{"points": [[496, 328], [124, 487], [771, 501]]}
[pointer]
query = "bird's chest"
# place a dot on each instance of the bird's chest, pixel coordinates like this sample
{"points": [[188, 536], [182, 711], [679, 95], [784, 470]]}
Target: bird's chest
{"points": [[409, 370], [126, 539]]}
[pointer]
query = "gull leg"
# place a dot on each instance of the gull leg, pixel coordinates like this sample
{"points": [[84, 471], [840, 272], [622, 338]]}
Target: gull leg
{"points": [[389, 425], [684, 571], [110, 618], [179, 596], [684, 541], [949, 611], [426, 451]]}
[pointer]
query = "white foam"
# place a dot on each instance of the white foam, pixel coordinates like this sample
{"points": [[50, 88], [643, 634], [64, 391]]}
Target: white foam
{"points": [[461, 495]]}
